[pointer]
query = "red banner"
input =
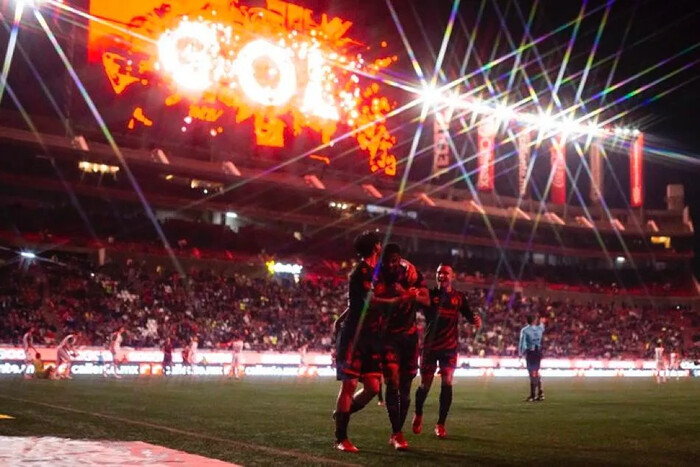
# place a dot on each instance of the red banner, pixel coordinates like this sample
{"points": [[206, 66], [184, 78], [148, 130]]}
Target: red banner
{"points": [[557, 194], [486, 140], [637, 172], [523, 141], [597, 172], [441, 140]]}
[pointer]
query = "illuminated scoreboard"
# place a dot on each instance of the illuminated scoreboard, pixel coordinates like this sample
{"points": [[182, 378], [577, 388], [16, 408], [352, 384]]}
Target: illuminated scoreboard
{"points": [[281, 67]]}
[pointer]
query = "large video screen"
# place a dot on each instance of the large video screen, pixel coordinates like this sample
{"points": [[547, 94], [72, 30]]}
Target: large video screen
{"points": [[264, 75]]}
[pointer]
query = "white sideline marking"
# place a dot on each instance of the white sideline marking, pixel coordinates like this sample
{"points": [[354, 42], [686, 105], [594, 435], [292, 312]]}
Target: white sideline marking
{"points": [[239, 444], [49, 451]]}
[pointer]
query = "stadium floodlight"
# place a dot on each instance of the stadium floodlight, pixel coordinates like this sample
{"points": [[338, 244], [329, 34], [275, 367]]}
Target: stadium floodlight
{"points": [[430, 95], [503, 113], [27, 254]]}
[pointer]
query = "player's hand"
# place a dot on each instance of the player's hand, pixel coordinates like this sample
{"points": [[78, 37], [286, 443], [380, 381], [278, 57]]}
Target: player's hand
{"points": [[477, 321]]}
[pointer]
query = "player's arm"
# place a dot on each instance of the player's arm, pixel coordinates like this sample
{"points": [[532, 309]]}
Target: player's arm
{"points": [[339, 321], [466, 311], [521, 343], [422, 292]]}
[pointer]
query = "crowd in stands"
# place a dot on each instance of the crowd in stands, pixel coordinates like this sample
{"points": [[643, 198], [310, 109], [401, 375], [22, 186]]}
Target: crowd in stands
{"points": [[276, 314]]}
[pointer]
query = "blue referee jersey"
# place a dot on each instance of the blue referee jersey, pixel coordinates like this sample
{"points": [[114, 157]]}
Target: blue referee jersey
{"points": [[530, 338]]}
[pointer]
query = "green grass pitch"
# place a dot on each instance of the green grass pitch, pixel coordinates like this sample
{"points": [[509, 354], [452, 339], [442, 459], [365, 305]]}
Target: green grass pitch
{"points": [[273, 421]]}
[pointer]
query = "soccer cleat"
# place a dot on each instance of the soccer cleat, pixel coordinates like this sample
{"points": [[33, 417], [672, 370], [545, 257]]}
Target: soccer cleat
{"points": [[380, 403], [440, 431], [346, 446], [417, 424], [530, 399], [540, 397], [398, 441]]}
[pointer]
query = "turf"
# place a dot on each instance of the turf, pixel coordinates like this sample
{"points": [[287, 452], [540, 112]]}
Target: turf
{"points": [[582, 422]]}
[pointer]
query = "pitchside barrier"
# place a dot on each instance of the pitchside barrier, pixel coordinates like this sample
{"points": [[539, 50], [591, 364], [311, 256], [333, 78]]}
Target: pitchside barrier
{"points": [[147, 362]]}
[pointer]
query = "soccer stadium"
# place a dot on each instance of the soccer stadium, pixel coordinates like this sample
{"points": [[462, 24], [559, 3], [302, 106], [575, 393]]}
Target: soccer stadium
{"points": [[315, 232]]}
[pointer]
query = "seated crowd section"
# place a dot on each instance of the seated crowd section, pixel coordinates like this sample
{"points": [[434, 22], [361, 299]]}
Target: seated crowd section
{"points": [[68, 294]]}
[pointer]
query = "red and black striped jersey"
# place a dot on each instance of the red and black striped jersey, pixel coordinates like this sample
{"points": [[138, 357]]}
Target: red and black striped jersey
{"points": [[442, 318], [360, 315], [400, 318]]}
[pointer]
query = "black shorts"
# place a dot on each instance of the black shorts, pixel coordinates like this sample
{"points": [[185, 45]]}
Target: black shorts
{"points": [[533, 359], [402, 349], [431, 359], [362, 359]]}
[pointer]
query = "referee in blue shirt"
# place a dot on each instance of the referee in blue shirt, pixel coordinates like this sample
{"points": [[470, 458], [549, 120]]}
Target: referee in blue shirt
{"points": [[530, 347]]}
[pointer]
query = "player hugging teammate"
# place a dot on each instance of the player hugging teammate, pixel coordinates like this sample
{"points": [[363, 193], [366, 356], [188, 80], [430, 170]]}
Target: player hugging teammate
{"points": [[377, 334]]}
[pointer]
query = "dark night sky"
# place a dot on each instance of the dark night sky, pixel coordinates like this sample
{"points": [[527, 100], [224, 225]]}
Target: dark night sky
{"points": [[649, 38]]}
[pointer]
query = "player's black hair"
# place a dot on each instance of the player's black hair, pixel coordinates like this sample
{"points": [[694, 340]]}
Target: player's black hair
{"points": [[446, 264], [530, 319], [37, 355], [391, 249], [365, 242]]}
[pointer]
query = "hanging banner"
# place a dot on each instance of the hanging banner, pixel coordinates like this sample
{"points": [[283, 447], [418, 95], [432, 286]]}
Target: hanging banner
{"points": [[524, 138], [596, 195], [637, 171], [441, 140], [557, 194], [486, 138]]}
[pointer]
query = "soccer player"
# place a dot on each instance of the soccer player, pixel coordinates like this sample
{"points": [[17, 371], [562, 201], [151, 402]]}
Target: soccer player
{"points": [[167, 356], [530, 347], [41, 372], [400, 358], [660, 363], [115, 345], [65, 352], [358, 344], [29, 350], [440, 345], [675, 363], [237, 360], [189, 353]]}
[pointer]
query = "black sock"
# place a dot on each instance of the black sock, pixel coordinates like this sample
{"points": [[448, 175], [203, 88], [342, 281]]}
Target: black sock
{"points": [[341, 426], [421, 395], [539, 386], [380, 395], [405, 399], [533, 386], [445, 403], [393, 409], [404, 404]]}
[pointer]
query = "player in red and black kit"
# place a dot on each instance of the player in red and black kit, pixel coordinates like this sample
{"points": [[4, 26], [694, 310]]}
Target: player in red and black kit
{"points": [[358, 343], [167, 356], [398, 276], [440, 345]]}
